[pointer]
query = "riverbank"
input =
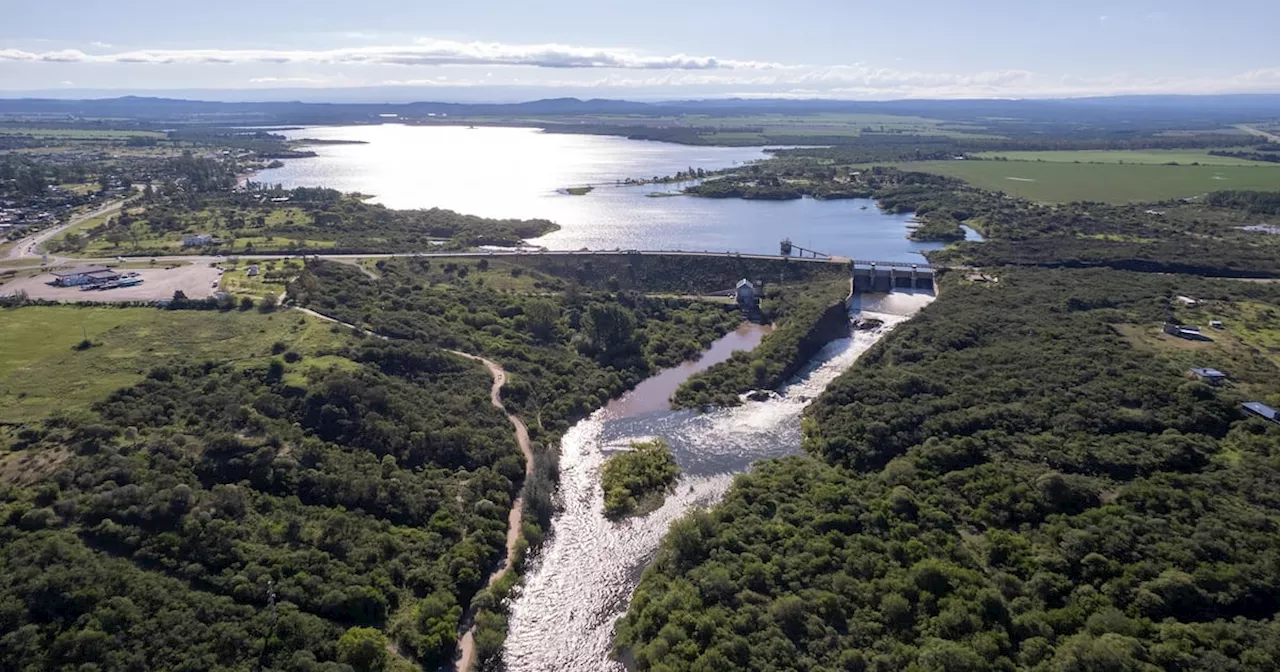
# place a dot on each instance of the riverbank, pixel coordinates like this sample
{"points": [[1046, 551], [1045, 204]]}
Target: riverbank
{"points": [[807, 316], [581, 581]]}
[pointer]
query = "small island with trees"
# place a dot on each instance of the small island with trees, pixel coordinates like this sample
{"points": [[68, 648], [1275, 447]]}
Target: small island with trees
{"points": [[636, 481]]}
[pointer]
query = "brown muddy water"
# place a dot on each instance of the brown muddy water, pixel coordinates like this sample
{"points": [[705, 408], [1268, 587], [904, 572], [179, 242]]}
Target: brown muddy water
{"points": [[582, 579], [654, 394]]}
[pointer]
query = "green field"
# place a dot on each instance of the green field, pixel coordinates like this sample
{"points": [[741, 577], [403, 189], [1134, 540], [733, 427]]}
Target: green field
{"points": [[1053, 182], [78, 133], [41, 370], [1149, 156], [206, 221]]}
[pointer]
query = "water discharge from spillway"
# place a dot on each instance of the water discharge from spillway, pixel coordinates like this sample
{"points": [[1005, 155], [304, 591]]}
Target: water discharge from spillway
{"points": [[582, 579]]}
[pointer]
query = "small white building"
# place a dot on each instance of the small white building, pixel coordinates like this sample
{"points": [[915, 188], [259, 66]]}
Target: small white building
{"points": [[745, 293], [198, 240]]}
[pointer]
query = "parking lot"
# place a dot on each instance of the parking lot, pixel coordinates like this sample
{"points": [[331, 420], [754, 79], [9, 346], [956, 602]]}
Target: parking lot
{"points": [[197, 281]]}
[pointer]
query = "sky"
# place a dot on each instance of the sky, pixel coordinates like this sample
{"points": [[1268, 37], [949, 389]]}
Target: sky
{"points": [[478, 50]]}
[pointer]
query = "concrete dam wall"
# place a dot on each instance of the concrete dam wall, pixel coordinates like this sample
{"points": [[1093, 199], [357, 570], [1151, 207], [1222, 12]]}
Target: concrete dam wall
{"points": [[889, 278]]}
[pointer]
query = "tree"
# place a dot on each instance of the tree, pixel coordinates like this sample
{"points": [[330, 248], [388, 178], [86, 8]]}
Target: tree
{"points": [[364, 649], [609, 329], [541, 316]]}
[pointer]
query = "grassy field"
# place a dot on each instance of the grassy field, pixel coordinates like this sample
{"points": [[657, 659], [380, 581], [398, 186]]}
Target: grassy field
{"points": [[1111, 183], [141, 237], [42, 371], [238, 282], [78, 133], [1247, 348], [1150, 156]]}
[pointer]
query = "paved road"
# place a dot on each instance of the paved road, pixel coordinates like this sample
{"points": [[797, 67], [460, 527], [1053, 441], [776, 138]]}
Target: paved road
{"points": [[29, 247], [196, 258], [1259, 132]]}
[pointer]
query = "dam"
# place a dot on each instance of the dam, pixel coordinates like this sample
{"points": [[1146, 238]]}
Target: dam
{"points": [[891, 276]]}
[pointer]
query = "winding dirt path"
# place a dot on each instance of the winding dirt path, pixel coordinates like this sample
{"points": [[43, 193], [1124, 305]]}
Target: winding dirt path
{"points": [[466, 656]]}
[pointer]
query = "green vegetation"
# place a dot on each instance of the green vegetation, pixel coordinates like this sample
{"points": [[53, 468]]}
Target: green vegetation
{"points": [[674, 274], [1003, 483], [40, 372], [77, 133], [808, 316], [361, 482], [1206, 237], [636, 481], [295, 220], [1055, 182], [1150, 156], [270, 278], [579, 191], [566, 352]]}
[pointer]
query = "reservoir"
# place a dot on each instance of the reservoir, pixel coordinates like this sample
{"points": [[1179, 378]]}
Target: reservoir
{"points": [[522, 172], [582, 578]]}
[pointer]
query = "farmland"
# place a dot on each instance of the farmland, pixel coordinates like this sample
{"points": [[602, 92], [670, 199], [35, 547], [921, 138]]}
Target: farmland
{"points": [[78, 133], [1149, 156], [1109, 183]]}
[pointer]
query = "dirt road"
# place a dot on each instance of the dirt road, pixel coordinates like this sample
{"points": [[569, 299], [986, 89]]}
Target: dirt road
{"points": [[466, 655]]}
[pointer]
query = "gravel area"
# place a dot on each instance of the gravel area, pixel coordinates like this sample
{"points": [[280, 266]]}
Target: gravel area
{"points": [[197, 281]]}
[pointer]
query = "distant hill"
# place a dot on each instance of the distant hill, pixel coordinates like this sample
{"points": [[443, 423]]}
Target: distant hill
{"points": [[1116, 109]]}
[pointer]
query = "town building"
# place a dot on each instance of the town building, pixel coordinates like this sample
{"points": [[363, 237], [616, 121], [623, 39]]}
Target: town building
{"points": [[198, 240], [84, 275], [1262, 410], [251, 271], [1211, 376]]}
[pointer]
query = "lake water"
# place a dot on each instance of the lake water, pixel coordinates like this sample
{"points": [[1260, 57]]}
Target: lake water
{"points": [[518, 172], [582, 579]]}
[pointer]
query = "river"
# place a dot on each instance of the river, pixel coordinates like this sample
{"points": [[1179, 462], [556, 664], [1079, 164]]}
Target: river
{"points": [[520, 172], [581, 581]]}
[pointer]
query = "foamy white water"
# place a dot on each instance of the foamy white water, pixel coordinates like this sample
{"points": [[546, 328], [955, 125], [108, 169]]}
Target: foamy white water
{"points": [[581, 583]]}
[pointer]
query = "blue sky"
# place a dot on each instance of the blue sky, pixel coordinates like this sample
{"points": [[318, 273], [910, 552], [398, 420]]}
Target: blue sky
{"points": [[477, 49]]}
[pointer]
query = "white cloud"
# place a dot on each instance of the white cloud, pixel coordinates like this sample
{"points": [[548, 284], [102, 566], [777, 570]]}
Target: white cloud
{"points": [[290, 80], [423, 52], [101, 45], [441, 63]]}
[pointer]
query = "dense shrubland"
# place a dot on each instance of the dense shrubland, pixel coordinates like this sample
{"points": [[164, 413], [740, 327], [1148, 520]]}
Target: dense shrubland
{"points": [[1003, 483], [566, 353], [807, 317], [361, 486], [636, 480]]}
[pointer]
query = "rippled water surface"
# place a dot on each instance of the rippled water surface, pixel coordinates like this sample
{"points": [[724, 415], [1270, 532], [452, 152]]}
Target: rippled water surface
{"points": [[582, 580], [519, 172]]}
